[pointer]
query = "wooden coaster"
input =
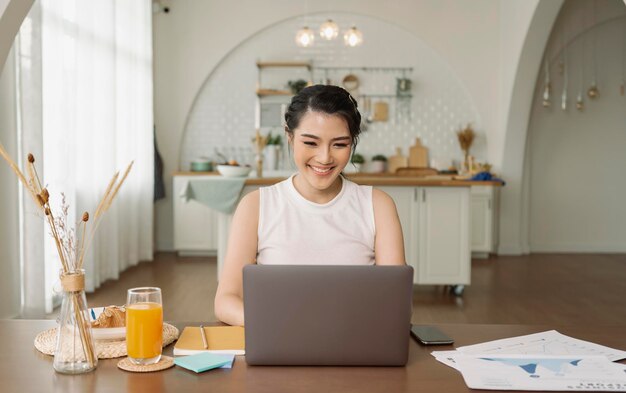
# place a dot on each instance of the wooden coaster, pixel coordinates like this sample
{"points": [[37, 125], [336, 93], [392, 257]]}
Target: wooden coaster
{"points": [[163, 364]]}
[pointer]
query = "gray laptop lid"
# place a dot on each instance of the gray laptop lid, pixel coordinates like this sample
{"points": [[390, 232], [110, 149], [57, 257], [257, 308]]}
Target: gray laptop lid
{"points": [[327, 315]]}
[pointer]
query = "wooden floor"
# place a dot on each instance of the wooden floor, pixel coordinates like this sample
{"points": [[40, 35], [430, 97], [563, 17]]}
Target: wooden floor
{"points": [[550, 289]]}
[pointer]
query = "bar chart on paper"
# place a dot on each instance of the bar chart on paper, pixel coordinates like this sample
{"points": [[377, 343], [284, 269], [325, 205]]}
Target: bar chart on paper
{"points": [[560, 365], [584, 373]]}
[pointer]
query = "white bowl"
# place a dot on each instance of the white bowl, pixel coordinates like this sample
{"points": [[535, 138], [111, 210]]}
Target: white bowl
{"points": [[233, 170], [118, 333]]}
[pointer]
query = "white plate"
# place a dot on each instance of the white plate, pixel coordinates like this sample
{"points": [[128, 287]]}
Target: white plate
{"points": [[118, 333]]}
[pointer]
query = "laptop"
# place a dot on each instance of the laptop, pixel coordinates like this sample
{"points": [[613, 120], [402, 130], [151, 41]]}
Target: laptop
{"points": [[327, 315]]}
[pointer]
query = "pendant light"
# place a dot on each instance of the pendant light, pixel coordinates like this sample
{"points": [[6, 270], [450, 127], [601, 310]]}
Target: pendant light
{"points": [[547, 86], [305, 37], [353, 37], [329, 30], [593, 91], [565, 70]]}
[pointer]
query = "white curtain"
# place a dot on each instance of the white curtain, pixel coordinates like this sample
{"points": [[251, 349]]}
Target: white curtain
{"points": [[96, 117]]}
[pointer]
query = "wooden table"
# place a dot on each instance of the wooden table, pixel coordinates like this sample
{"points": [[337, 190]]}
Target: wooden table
{"points": [[24, 369]]}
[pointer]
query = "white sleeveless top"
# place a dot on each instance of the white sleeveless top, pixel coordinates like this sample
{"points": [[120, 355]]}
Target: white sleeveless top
{"points": [[295, 231]]}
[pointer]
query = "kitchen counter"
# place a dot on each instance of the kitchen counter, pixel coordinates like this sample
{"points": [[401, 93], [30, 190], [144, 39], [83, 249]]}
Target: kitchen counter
{"points": [[372, 179]]}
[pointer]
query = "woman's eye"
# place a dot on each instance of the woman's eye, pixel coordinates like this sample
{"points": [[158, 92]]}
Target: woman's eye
{"points": [[310, 143], [341, 145]]}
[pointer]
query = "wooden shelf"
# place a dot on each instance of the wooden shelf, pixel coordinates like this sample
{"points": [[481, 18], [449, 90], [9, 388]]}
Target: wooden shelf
{"points": [[268, 64], [272, 92]]}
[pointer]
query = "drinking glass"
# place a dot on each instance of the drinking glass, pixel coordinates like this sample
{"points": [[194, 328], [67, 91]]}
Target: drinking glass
{"points": [[144, 325]]}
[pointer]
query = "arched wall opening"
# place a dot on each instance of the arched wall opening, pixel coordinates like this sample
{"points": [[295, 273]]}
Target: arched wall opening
{"points": [[514, 197], [576, 135]]}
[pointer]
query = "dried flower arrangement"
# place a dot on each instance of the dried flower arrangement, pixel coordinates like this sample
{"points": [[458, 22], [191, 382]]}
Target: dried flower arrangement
{"points": [[466, 138], [71, 250]]}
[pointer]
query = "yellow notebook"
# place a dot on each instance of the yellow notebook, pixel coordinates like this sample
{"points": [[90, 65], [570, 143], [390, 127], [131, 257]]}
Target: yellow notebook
{"points": [[220, 340]]}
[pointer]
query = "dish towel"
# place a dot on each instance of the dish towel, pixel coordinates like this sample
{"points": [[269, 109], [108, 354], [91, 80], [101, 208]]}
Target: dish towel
{"points": [[221, 194], [486, 176]]}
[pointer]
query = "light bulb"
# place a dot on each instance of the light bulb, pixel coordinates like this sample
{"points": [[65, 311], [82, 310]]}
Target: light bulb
{"points": [[329, 30], [305, 37], [353, 37]]}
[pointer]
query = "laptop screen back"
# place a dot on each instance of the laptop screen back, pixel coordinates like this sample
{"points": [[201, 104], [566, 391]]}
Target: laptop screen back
{"points": [[327, 315]]}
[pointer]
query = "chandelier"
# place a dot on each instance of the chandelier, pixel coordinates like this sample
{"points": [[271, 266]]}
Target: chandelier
{"points": [[329, 30]]}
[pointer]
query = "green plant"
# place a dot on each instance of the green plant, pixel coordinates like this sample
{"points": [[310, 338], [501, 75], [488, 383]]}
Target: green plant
{"points": [[357, 159], [379, 157], [274, 140], [297, 85]]}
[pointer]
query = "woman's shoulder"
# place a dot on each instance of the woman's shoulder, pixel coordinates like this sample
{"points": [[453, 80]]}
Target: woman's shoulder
{"points": [[249, 203], [382, 200]]}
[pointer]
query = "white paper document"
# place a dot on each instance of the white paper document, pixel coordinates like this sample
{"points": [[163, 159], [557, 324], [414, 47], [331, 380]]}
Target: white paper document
{"points": [[541, 361], [545, 343], [523, 372]]}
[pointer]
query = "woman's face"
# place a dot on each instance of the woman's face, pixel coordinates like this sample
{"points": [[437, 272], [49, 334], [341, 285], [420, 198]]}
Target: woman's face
{"points": [[321, 149]]}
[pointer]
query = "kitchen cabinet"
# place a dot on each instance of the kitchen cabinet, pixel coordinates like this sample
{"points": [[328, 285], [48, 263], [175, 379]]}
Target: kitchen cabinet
{"points": [[484, 219], [195, 225], [442, 225], [436, 228]]}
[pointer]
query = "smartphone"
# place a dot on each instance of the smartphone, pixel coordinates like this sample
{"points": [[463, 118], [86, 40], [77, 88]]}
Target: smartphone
{"points": [[430, 335]]}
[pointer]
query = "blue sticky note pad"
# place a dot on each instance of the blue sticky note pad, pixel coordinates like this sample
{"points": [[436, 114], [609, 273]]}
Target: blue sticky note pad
{"points": [[204, 361]]}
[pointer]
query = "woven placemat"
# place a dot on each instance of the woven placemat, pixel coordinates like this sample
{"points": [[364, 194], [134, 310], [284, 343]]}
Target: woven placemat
{"points": [[163, 364], [45, 342]]}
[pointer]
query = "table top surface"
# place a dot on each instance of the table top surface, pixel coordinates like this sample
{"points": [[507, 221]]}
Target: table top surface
{"points": [[24, 369]]}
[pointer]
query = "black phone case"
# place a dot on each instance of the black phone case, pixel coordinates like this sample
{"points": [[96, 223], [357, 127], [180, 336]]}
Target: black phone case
{"points": [[430, 336]]}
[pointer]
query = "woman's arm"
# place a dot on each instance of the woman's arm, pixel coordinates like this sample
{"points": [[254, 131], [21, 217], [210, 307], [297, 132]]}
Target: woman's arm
{"points": [[241, 251], [389, 242]]}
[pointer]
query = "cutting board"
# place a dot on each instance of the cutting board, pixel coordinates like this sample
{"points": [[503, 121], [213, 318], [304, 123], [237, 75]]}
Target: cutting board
{"points": [[418, 155], [397, 161], [381, 111]]}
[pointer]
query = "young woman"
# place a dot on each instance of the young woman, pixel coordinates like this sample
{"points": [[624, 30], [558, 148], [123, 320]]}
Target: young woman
{"points": [[316, 216]]}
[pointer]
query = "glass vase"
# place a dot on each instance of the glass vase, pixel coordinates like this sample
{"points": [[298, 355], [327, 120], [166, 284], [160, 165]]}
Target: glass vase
{"points": [[75, 351]]}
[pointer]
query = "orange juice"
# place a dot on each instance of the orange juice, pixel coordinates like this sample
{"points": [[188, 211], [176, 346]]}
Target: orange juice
{"points": [[144, 330]]}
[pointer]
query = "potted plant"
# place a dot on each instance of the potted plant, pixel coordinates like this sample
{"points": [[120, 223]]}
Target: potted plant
{"points": [[357, 161], [272, 151], [297, 85], [378, 164]]}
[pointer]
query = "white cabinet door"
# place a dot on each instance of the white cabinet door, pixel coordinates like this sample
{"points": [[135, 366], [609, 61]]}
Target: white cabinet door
{"points": [[483, 216], [444, 231], [481, 224], [405, 198], [195, 225]]}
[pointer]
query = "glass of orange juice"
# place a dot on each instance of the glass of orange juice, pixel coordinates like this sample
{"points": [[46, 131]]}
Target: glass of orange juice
{"points": [[144, 325]]}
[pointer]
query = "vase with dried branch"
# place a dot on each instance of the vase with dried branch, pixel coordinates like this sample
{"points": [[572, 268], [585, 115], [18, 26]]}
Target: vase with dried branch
{"points": [[259, 141], [466, 138], [75, 350]]}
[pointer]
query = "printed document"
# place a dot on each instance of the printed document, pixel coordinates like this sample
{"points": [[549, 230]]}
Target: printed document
{"points": [[541, 361]]}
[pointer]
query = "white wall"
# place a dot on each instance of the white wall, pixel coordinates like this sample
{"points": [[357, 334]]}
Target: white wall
{"points": [[222, 115], [195, 36], [525, 40], [9, 228], [577, 159], [12, 13]]}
